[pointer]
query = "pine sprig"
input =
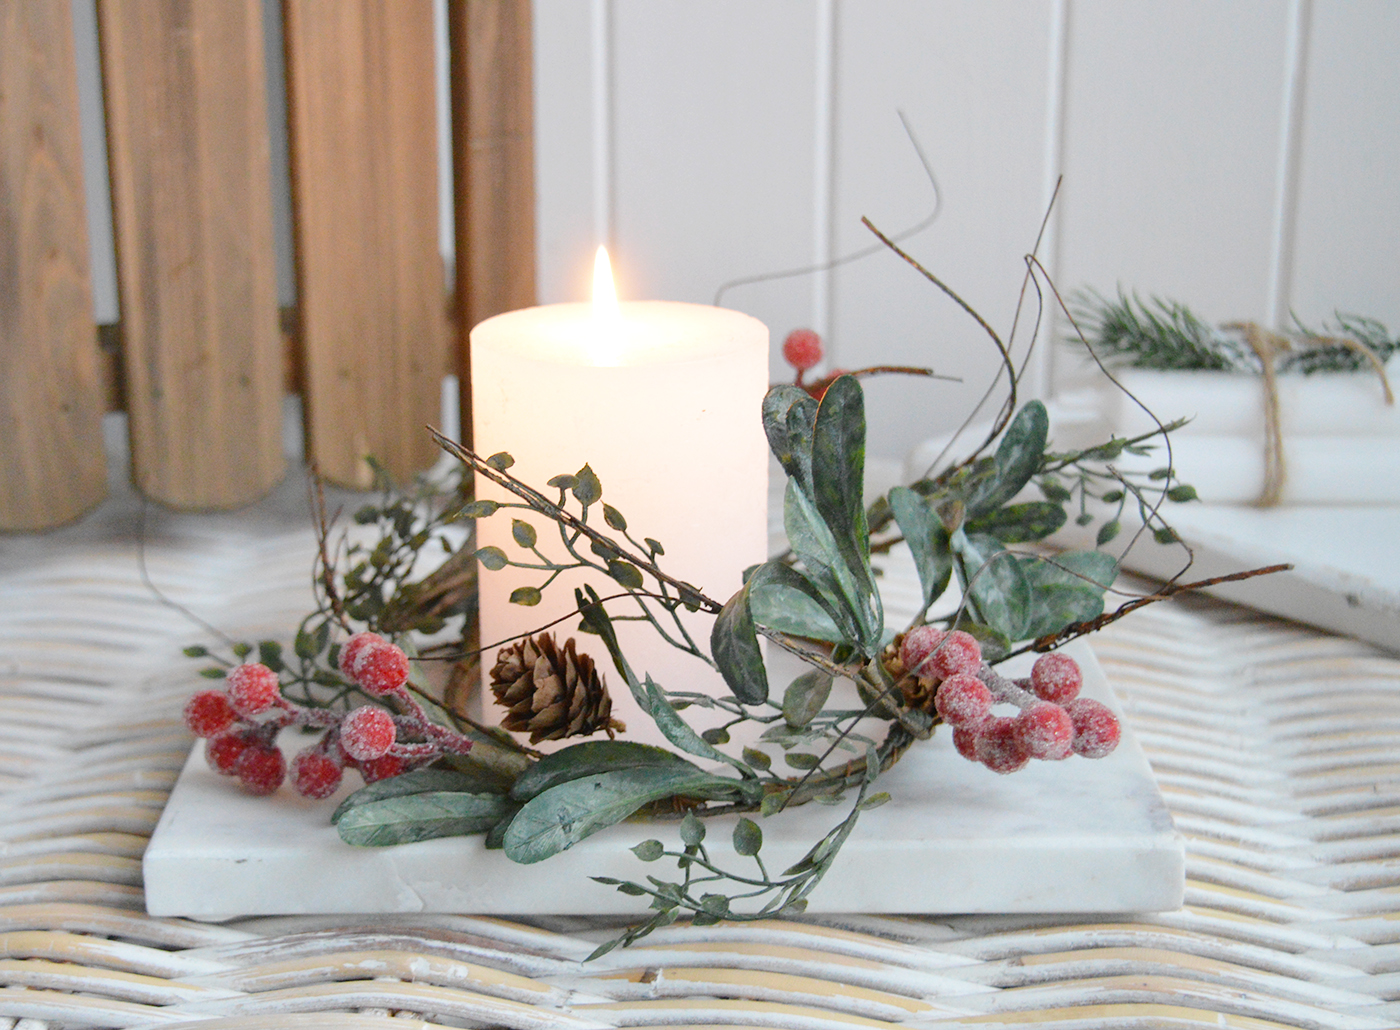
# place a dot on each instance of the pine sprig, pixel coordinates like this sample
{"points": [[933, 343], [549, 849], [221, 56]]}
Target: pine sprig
{"points": [[1166, 335]]}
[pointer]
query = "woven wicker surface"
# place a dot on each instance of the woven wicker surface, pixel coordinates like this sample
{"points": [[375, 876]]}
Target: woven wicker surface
{"points": [[1275, 746]]}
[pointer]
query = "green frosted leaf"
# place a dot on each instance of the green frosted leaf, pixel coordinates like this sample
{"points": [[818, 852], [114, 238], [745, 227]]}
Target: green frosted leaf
{"points": [[415, 817], [588, 490], [523, 532], [563, 815], [492, 558], [748, 837], [528, 596], [804, 698]]}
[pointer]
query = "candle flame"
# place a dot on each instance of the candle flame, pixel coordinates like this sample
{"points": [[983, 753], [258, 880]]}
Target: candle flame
{"points": [[604, 292], [606, 316]]}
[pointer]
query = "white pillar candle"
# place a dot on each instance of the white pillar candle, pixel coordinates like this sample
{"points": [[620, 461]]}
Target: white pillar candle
{"points": [[663, 401]]}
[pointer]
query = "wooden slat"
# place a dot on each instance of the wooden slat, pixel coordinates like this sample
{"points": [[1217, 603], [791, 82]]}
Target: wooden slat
{"points": [[362, 119], [51, 402], [493, 163], [188, 145]]}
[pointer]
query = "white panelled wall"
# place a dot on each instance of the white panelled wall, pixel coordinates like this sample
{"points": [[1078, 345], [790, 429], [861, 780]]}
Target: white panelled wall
{"points": [[1242, 157]]}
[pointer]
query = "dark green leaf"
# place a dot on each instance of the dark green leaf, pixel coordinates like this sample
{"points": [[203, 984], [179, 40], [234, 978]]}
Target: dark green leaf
{"points": [[270, 654], [493, 558], [564, 481], [527, 596], [479, 510], [692, 830], [614, 518], [495, 837], [838, 476], [995, 582], [804, 698], [1054, 492], [927, 539], [213, 673], [523, 532], [565, 814], [677, 730], [1019, 523], [1057, 605], [648, 850], [773, 803], [715, 735], [1183, 492], [748, 837], [1165, 535], [625, 573], [242, 649], [594, 756], [364, 516], [1112, 497], [589, 489], [788, 415], [874, 801], [802, 760], [500, 461], [419, 781], [812, 541], [655, 545], [1107, 532], [415, 817], [196, 651], [756, 758], [1017, 458], [633, 889], [1083, 518], [714, 905], [1161, 473]]}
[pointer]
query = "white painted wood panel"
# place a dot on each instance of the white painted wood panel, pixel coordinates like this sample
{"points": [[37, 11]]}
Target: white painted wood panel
{"points": [[972, 81], [1173, 129], [1347, 251], [1240, 157]]}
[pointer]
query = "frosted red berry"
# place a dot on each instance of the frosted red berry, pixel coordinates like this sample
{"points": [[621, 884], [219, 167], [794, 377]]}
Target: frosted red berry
{"points": [[314, 775], [380, 667], [802, 349], [252, 688], [351, 650], [999, 747], [965, 740], [1056, 677], [209, 713], [917, 645], [367, 733], [222, 752], [381, 768], [963, 700], [261, 769], [957, 652], [1096, 729], [1046, 730]]}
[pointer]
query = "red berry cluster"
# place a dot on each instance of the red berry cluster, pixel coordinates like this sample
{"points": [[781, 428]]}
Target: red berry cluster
{"points": [[241, 724], [1053, 723]]}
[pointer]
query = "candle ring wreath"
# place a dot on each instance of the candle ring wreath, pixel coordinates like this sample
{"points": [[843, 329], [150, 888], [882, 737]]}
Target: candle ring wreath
{"points": [[355, 672]]}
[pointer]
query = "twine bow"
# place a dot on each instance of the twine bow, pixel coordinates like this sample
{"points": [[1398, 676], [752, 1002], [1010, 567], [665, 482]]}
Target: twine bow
{"points": [[1268, 345]]}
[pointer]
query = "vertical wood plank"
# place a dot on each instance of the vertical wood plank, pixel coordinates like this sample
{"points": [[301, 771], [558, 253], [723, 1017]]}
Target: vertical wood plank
{"points": [[51, 463], [188, 145], [493, 167], [51, 392], [364, 190]]}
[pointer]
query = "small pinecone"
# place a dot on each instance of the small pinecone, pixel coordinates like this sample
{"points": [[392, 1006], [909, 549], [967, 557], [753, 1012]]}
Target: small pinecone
{"points": [[916, 691], [551, 693]]}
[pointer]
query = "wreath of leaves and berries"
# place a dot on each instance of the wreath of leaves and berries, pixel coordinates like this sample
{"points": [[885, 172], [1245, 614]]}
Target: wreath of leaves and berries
{"points": [[355, 680]]}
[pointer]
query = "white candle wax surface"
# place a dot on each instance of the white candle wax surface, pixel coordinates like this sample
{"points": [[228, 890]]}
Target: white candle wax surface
{"points": [[663, 401]]}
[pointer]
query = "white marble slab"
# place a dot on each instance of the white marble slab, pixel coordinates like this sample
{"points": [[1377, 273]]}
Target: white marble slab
{"points": [[1346, 574], [1072, 836]]}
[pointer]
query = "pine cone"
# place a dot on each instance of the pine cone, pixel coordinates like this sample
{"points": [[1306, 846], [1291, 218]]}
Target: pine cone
{"points": [[551, 693]]}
